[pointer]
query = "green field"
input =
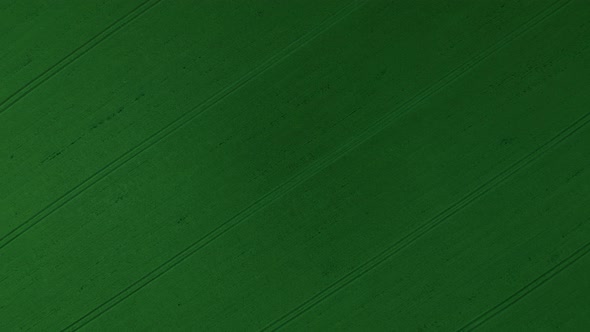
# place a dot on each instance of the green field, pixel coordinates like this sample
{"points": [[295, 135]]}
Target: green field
{"points": [[247, 165]]}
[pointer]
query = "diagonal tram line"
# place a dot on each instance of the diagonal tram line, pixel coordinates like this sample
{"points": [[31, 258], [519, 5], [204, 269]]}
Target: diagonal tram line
{"points": [[327, 160], [423, 229], [76, 54], [527, 289], [444, 215], [176, 124]]}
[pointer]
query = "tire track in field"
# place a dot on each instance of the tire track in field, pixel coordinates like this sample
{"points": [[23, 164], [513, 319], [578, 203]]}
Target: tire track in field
{"points": [[470, 197], [76, 54], [423, 229], [176, 124], [322, 164], [527, 289]]}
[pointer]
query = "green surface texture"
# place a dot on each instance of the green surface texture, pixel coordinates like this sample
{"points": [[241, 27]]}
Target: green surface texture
{"points": [[299, 165]]}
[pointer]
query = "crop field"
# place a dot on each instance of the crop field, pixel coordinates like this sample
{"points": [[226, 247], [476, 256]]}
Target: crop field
{"points": [[297, 165]]}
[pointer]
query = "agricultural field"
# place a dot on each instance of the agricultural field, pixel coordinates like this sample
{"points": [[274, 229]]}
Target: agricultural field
{"points": [[258, 165]]}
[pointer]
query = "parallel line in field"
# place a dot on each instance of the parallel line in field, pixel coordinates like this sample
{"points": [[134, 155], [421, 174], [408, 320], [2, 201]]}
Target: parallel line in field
{"points": [[76, 54], [173, 126], [179, 257], [423, 229], [308, 172], [527, 289]]}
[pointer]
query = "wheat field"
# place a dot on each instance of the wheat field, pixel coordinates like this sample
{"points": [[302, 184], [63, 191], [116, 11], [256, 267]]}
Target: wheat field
{"points": [[333, 165]]}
